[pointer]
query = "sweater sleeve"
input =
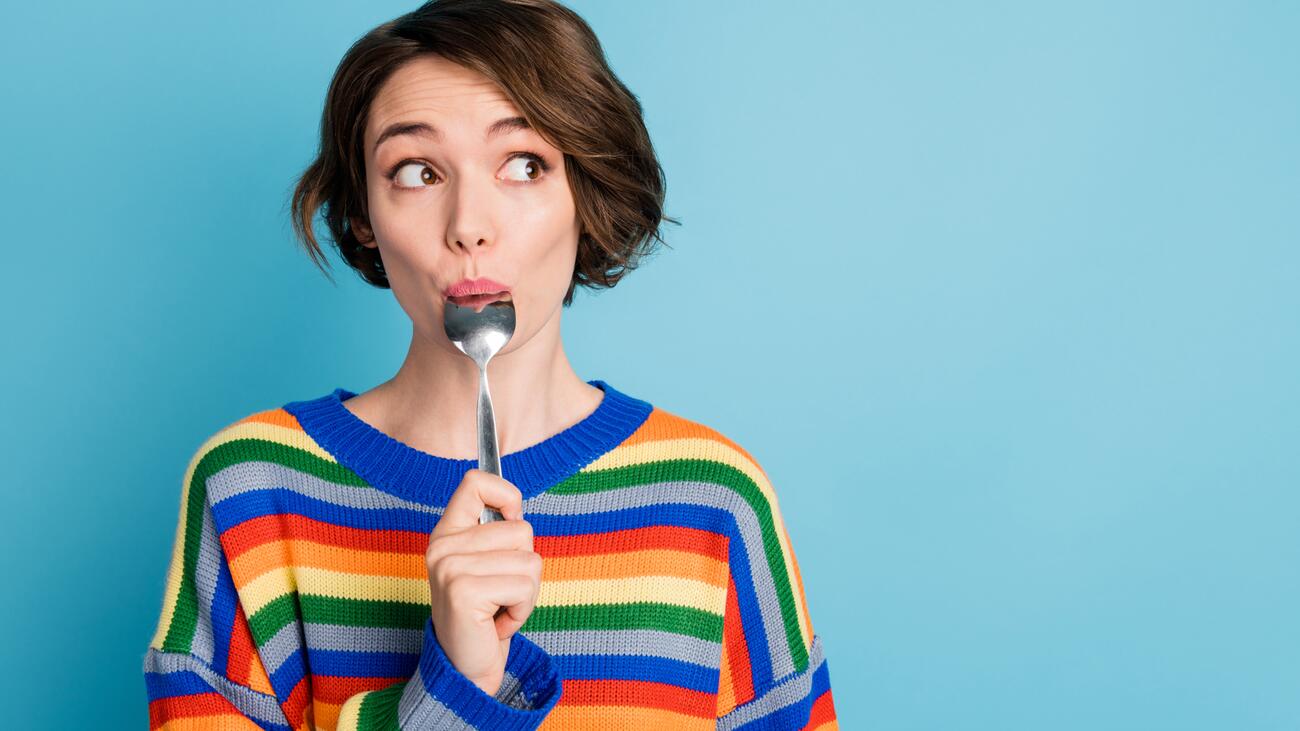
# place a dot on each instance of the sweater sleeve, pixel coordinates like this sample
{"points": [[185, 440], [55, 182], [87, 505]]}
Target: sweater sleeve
{"points": [[203, 668], [773, 673]]}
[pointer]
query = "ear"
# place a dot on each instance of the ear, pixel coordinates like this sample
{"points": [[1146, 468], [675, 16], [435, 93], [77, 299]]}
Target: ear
{"points": [[362, 231]]}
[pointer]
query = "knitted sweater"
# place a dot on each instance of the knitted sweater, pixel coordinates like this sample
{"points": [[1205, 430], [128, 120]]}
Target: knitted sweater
{"points": [[298, 596]]}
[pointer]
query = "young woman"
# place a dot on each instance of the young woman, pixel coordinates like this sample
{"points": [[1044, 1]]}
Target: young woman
{"points": [[330, 571]]}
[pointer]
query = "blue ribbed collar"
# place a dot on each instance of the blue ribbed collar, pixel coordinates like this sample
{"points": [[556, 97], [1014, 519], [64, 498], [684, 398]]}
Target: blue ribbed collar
{"points": [[409, 473]]}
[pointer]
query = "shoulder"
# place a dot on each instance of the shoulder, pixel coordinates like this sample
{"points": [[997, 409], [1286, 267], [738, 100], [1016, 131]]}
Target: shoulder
{"points": [[679, 448], [245, 444]]}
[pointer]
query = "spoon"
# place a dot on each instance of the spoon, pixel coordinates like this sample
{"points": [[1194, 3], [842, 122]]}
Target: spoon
{"points": [[480, 335]]}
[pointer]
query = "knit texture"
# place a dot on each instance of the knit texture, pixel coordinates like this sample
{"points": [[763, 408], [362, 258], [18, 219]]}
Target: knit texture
{"points": [[298, 597]]}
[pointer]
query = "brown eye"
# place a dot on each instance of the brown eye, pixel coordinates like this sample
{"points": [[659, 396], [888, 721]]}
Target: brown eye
{"points": [[426, 175], [529, 167]]}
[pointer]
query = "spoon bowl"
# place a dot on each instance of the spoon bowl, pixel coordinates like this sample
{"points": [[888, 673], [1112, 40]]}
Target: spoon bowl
{"points": [[480, 335]]}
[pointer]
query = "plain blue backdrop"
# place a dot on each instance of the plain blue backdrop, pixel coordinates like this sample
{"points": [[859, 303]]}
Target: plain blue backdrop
{"points": [[1003, 297]]}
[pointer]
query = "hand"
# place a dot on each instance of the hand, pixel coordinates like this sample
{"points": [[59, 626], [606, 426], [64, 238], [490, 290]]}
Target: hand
{"points": [[474, 570]]}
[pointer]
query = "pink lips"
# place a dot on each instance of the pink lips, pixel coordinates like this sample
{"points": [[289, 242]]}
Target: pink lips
{"points": [[476, 293]]}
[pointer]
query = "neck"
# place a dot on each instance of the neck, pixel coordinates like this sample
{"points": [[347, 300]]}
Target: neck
{"points": [[431, 402]]}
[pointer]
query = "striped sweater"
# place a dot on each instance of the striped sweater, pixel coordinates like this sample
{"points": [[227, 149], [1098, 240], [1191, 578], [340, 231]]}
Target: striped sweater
{"points": [[298, 598]]}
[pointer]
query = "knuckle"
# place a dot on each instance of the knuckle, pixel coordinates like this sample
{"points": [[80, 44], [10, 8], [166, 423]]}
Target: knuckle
{"points": [[446, 570], [456, 588]]}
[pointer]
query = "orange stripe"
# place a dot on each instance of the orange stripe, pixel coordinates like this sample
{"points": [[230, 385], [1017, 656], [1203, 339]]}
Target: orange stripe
{"points": [[271, 556], [275, 417], [664, 425], [635, 563]]}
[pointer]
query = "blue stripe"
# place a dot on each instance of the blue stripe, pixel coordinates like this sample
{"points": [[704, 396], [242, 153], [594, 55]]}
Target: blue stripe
{"points": [[363, 664], [796, 714], [159, 686], [684, 515], [647, 668], [224, 603]]}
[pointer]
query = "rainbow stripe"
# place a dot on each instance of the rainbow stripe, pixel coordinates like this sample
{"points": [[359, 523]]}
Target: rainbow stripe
{"points": [[297, 595]]}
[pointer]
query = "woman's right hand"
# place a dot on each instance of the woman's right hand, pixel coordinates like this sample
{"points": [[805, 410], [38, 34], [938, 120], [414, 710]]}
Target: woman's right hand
{"points": [[474, 569]]}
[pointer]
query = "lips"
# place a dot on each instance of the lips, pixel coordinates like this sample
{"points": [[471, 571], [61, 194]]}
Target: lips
{"points": [[477, 301]]}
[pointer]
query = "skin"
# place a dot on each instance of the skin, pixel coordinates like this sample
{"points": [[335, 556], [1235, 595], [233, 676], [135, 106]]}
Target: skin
{"points": [[477, 217], [465, 207]]}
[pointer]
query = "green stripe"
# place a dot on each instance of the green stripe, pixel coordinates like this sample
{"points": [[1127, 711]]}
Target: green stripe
{"points": [[379, 709], [180, 634], [633, 615], [317, 609], [703, 470]]}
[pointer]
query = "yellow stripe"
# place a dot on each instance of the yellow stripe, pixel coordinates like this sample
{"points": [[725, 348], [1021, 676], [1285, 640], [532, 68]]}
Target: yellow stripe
{"points": [[325, 582], [176, 568], [350, 712], [716, 451], [245, 430], [279, 434], [671, 589]]}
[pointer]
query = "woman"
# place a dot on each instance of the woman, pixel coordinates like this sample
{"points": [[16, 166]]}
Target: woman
{"points": [[329, 569]]}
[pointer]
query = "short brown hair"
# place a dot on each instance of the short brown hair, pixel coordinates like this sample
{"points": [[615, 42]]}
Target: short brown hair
{"points": [[548, 62]]}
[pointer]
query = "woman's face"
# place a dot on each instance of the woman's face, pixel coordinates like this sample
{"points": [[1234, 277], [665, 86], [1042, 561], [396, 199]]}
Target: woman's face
{"points": [[454, 195]]}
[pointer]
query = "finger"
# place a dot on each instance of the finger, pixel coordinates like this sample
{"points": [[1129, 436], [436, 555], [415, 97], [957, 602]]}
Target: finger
{"points": [[489, 563], [502, 535], [490, 592], [479, 489], [515, 615]]}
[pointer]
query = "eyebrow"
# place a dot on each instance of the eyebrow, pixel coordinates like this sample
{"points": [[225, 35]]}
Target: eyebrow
{"points": [[422, 129]]}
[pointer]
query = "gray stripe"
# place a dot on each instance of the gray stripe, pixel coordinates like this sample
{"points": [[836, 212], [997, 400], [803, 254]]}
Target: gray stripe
{"points": [[511, 693], [252, 704], [418, 709], [638, 642], [789, 691], [207, 569], [251, 475], [285, 643], [697, 493], [630, 642], [326, 636]]}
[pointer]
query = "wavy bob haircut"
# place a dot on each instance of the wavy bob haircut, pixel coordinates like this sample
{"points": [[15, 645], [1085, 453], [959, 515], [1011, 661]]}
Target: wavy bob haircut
{"points": [[548, 62]]}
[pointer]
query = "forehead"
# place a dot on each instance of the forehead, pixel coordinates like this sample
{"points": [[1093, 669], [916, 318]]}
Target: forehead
{"points": [[432, 89]]}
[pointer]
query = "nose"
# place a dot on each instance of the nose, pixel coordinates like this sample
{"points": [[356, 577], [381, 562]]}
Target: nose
{"points": [[469, 222]]}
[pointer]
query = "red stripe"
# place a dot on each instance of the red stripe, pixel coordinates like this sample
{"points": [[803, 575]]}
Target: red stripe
{"points": [[733, 634], [335, 689], [295, 709], [694, 540], [163, 710], [288, 526], [639, 694], [242, 653], [823, 710]]}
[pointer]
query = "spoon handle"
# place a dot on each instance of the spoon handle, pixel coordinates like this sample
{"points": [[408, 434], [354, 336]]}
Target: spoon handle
{"points": [[488, 459]]}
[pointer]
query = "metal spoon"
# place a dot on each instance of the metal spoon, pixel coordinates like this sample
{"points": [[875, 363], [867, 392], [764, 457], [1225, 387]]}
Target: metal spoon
{"points": [[480, 335]]}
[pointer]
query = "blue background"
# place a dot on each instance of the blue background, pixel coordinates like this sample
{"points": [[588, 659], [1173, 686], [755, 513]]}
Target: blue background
{"points": [[1003, 297]]}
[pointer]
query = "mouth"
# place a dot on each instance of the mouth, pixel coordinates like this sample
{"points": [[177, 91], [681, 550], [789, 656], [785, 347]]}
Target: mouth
{"points": [[479, 301]]}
